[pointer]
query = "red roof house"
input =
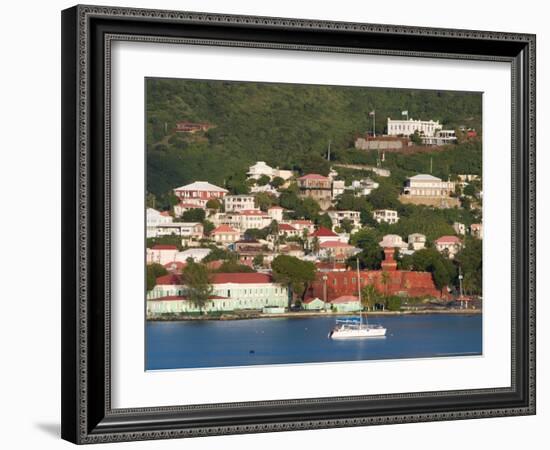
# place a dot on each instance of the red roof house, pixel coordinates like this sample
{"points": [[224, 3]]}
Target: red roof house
{"points": [[449, 245], [323, 232], [224, 234], [164, 247], [241, 278]]}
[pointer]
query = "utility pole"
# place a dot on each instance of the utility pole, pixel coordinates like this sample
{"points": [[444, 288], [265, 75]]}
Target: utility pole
{"points": [[325, 292], [328, 153], [373, 115], [460, 277]]}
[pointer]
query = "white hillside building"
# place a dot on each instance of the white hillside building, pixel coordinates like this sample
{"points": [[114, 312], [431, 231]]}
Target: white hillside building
{"points": [[362, 187], [424, 185], [234, 203], [417, 241], [338, 217], [154, 217], [261, 168], [187, 231], [386, 215], [408, 127]]}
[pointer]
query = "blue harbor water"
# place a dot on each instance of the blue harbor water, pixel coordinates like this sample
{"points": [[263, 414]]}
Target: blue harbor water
{"points": [[216, 343]]}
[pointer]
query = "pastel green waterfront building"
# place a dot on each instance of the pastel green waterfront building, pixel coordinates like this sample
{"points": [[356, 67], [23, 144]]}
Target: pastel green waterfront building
{"points": [[230, 292], [345, 303], [315, 304]]}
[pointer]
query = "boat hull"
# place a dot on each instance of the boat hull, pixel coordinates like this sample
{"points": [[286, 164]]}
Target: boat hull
{"points": [[358, 333]]}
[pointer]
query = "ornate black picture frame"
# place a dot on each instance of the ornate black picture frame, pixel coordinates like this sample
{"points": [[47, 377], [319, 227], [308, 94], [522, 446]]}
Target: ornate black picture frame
{"points": [[87, 34]]}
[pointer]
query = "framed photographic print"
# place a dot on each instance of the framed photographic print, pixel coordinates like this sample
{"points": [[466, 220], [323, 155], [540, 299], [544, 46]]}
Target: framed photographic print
{"points": [[281, 224]]}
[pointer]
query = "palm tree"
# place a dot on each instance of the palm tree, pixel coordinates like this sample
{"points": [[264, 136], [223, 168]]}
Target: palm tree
{"points": [[369, 296], [315, 245]]}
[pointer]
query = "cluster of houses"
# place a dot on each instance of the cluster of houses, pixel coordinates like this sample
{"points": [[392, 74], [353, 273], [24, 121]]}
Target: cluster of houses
{"points": [[335, 287]]}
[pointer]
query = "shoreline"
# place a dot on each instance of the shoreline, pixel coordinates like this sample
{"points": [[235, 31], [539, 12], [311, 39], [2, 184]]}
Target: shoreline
{"points": [[308, 314]]}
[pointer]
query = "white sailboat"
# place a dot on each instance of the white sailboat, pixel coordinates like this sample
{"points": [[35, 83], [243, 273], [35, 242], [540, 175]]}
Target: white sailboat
{"points": [[355, 328]]}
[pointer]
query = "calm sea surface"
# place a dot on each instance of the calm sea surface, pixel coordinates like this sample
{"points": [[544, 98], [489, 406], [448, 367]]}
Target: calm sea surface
{"points": [[193, 344]]}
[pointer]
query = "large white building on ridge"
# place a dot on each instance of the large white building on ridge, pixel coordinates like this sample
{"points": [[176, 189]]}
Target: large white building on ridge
{"points": [[408, 127]]}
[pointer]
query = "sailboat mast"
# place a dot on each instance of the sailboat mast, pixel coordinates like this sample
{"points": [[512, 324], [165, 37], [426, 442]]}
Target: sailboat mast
{"points": [[359, 292], [358, 280]]}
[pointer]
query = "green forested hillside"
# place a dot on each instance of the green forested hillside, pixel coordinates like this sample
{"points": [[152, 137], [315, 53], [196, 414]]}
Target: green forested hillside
{"points": [[288, 126]]}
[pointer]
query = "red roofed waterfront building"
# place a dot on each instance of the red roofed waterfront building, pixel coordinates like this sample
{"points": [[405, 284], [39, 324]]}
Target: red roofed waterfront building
{"points": [[230, 292], [396, 282]]}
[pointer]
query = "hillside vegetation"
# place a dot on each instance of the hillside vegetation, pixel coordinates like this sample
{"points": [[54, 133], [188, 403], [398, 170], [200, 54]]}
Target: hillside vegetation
{"points": [[290, 126]]}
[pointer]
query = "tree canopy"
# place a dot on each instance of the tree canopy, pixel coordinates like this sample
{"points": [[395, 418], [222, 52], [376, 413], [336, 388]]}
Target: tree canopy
{"points": [[293, 272], [286, 125], [153, 272], [197, 280]]}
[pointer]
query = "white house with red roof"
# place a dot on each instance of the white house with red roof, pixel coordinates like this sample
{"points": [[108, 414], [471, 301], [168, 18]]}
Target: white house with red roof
{"points": [[230, 292], [254, 219], [199, 192], [242, 220], [325, 235], [161, 254], [303, 224], [225, 235], [288, 230], [448, 245]]}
